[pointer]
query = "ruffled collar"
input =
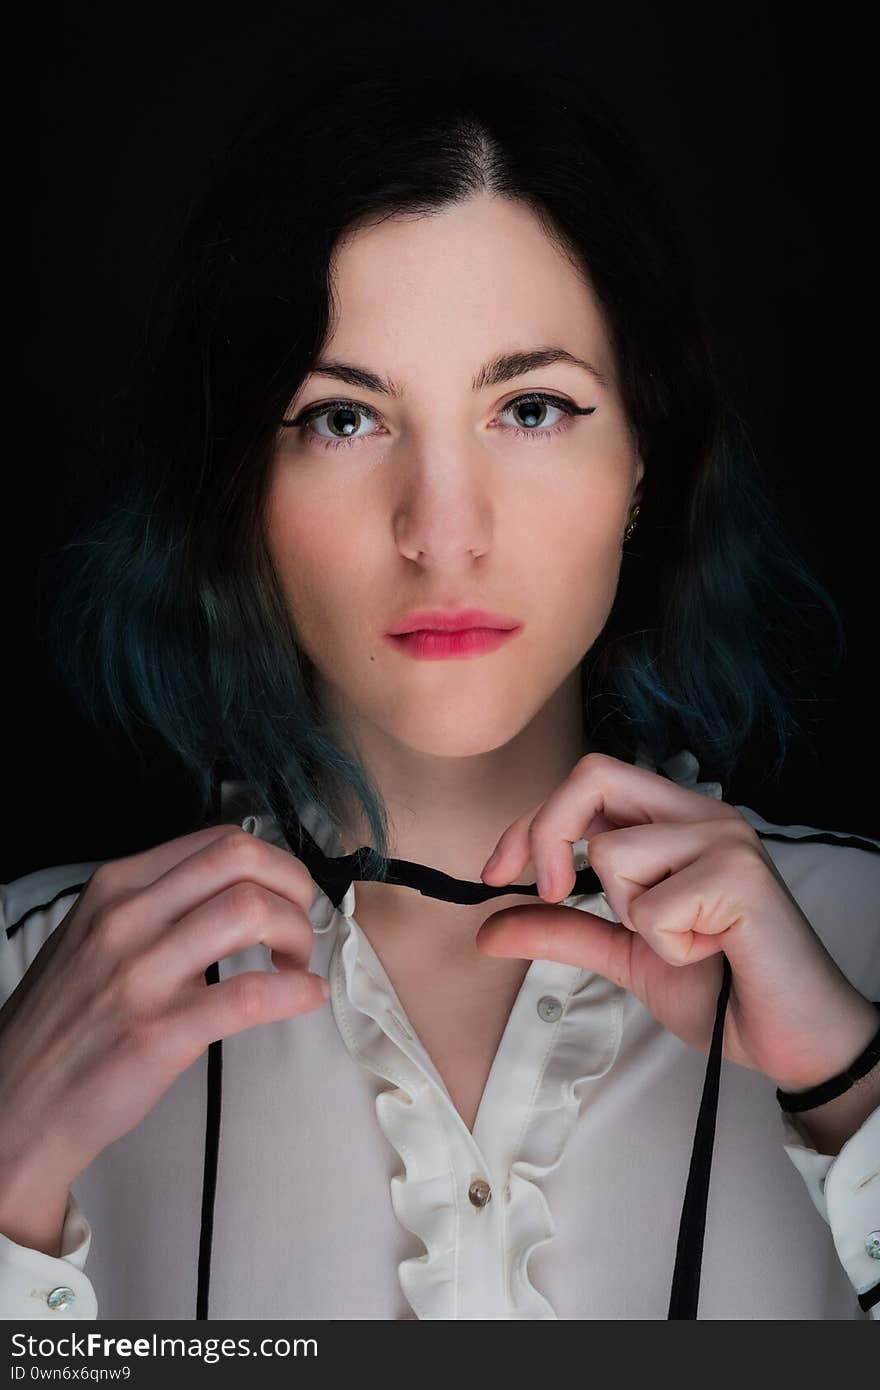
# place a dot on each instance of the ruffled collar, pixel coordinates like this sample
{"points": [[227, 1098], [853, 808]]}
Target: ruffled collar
{"points": [[526, 1114], [521, 1130]]}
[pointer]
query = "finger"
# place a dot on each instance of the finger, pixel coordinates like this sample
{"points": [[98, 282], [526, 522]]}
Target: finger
{"points": [[600, 790], [134, 871], [501, 859], [244, 915], [235, 857], [117, 878], [685, 918], [632, 859], [230, 1006], [565, 934]]}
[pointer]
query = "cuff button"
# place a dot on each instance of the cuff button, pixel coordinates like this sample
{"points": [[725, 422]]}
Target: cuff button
{"points": [[61, 1298], [872, 1244]]}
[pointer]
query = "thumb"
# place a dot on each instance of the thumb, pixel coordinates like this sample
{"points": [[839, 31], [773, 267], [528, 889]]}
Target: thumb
{"points": [[566, 934]]}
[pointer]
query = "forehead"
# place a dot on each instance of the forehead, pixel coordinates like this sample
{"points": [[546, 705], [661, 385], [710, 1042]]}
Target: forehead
{"points": [[461, 279]]}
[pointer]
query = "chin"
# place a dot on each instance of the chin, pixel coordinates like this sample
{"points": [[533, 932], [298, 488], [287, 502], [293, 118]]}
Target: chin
{"points": [[457, 733]]}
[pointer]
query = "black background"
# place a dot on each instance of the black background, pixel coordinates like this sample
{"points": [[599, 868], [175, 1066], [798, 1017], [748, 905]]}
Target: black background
{"points": [[754, 118]]}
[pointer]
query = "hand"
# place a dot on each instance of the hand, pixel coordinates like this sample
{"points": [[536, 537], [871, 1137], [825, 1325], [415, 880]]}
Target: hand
{"points": [[115, 1005], [689, 879]]}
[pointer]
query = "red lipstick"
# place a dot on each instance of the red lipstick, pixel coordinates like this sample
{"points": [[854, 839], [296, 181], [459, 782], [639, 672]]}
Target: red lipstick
{"points": [[440, 635], [451, 620]]}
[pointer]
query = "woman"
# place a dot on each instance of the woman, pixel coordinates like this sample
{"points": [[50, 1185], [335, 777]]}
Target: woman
{"points": [[430, 346]]}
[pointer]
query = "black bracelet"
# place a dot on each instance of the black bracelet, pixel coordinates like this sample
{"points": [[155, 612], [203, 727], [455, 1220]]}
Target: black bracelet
{"points": [[830, 1090]]}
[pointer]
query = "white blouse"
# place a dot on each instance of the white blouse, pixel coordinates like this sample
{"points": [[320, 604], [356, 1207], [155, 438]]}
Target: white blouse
{"points": [[349, 1187]]}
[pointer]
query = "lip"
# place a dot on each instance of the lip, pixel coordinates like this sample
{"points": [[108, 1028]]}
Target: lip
{"points": [[451, 620], [431, 645]]}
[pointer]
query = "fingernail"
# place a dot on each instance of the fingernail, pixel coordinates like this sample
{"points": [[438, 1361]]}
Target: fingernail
{"points": [[544, 883], [325, 988], [491, 861]]}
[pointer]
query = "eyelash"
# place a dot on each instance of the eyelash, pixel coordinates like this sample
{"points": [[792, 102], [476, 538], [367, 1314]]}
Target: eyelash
{"points": [[315, 413]]}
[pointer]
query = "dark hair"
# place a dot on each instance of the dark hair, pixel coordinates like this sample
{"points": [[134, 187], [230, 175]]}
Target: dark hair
{"points": [[169, 618]]}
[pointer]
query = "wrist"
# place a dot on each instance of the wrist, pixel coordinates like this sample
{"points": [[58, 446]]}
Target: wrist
{"points": [[857, 1031], [32, 1212], [828, 1127]]}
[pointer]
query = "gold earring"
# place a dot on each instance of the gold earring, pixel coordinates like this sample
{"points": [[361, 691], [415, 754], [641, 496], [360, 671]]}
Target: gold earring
{"points": [[632, 522]]}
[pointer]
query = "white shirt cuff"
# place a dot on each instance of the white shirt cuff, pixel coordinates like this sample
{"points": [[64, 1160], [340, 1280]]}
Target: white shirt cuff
{"points": [[846, 1192], [36, 1285]]}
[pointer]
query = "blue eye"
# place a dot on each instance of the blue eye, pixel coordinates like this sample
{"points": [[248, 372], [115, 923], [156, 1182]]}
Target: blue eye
{"points": [[348, 414]]}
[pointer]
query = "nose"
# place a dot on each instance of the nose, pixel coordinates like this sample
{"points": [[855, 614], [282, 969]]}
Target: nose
{"points": [[444, 507]]}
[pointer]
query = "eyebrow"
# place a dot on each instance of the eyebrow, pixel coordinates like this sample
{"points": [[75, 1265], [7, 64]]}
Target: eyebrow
{"points": [[505, 367]]}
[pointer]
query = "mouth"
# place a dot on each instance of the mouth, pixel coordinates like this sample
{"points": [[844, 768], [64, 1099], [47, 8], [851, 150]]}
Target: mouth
{"points": [[432, 644], [452, 620]]}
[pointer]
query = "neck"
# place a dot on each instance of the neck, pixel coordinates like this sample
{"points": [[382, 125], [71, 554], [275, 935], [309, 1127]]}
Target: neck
{"points": [[450, 812]]}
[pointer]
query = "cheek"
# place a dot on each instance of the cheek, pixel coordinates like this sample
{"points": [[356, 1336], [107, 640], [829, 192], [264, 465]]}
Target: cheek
{"points": [[308, 550], [571, 532]]}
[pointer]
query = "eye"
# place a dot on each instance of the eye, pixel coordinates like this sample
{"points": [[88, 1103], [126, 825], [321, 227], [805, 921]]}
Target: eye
{"points": [[343, 419], [533, 409]]}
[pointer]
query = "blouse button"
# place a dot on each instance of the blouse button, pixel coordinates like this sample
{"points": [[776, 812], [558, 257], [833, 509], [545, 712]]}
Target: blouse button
{"points": [[872, 1244], [61, 1298], [549, 1008], [479, 1192]]}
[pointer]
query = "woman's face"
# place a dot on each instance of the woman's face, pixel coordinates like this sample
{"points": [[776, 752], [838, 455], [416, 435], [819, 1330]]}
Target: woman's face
{"points": [[449, 496]]}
